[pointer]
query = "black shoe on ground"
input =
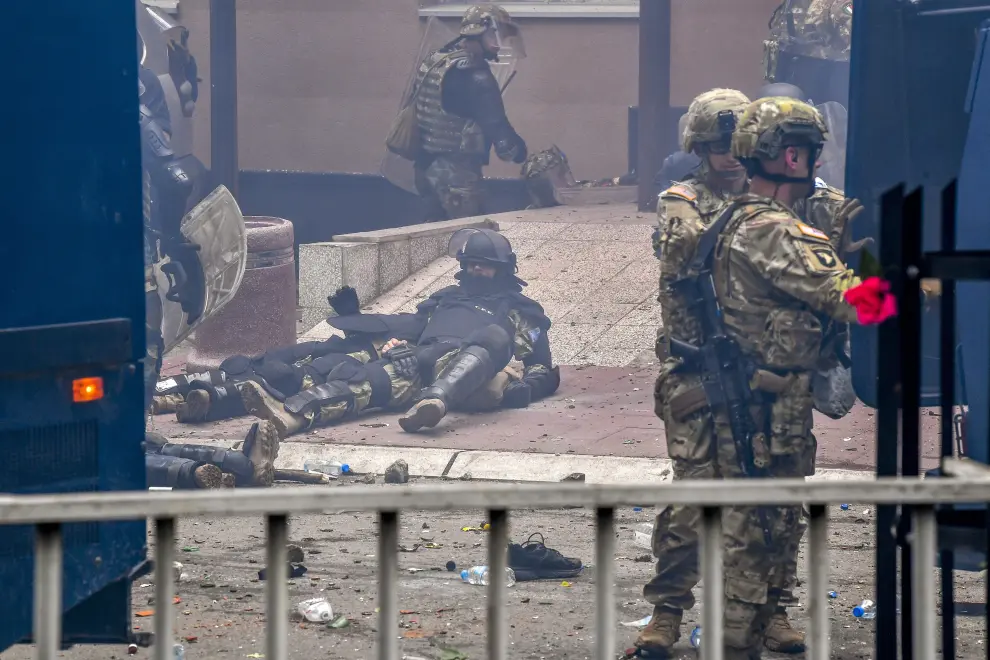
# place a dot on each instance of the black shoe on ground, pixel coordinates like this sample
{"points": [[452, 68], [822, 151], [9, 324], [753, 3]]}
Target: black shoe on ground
{"points": [[533, 560]]}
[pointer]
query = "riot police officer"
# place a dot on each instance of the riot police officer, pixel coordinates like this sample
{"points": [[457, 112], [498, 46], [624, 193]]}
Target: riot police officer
{"points": [[809, 46], [460, 114]]}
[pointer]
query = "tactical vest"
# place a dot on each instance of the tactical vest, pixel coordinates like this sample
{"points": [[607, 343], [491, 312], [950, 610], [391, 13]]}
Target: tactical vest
{"points": [[441, 132], [679, 320], [458, 314], [760, 321]]}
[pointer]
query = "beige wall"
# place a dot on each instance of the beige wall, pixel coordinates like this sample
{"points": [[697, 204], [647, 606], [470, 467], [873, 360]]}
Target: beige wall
{"points": [[319, 82]]}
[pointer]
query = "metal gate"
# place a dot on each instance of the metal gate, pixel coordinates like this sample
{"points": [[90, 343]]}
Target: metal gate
{"points": [[50, 512]]}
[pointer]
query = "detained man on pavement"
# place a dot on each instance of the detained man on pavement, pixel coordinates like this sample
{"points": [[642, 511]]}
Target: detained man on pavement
{"points": [[462, 359]]}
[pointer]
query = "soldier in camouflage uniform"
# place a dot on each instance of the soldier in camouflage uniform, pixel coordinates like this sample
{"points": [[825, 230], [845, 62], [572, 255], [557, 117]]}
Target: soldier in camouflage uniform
{"points": [[461, 117], [684, 211], [809, 45], [786, 288], [472, 332]]}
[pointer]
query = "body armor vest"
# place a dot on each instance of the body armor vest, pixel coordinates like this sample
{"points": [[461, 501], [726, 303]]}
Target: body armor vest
{"points": [[680, 320], [751, 307], [458, 315], [440, 131]]}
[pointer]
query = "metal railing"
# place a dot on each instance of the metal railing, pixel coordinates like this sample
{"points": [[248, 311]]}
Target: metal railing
{"points": [[49, 512]]}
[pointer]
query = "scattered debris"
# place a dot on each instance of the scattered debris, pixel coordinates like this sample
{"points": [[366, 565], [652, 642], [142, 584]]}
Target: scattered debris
{"points": [[315, 610], [190, 548], [302, 477], [451, 566], [340, 622], [375, 425], [452, 654], [295, 571], [397, 472], [367, 479], [465, 477], [409, 548], [295, 554], [144, 613], [637, 624], [574, 476]]}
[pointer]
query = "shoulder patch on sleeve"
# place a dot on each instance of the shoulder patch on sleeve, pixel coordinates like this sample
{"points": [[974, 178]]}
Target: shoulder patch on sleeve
{"points": [[682, 191], [534, 334], [811, 232]]}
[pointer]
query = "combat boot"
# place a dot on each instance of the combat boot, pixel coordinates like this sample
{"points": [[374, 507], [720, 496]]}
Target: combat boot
{"points": [[661, 633], [208, 476], [780, 636], [165, 404], [194, 409], [468, 370], [258, 402]]}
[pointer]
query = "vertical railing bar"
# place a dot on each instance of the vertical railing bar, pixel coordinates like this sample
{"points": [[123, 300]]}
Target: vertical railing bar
{"points": [[910, 325], [164, 587], [818, 584], [604, 584], [947, 393], [388, 580], [48, 590], [923, 584], [887, 432], [714, 589], [498, 542], [277, 569]]}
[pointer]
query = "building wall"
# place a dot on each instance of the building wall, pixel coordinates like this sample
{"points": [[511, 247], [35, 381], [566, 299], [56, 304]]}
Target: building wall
{"points": [[319, 82]]}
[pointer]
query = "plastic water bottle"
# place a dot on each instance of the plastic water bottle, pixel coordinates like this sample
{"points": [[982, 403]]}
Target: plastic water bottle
{"points": [[865, 610], [178, 652], [643, 535], [479, 575], [315, 610], [332, 468], [696, 637]]}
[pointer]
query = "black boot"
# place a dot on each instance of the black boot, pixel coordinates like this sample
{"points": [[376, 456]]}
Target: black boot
{"points": [[182, 383], [209, 403], [467, 371]]}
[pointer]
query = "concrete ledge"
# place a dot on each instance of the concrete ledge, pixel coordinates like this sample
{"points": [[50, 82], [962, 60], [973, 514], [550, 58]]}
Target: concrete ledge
{"points": [[372, 262], [445, 228]]}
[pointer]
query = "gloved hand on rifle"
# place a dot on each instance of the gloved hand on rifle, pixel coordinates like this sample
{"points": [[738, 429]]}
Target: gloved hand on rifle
{"points": [[186, 281]]}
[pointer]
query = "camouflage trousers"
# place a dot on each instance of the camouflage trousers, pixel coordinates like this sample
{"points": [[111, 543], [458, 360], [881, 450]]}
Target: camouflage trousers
{"points": [[404, 390], [451, 186], [758, 577], [154, 343]]}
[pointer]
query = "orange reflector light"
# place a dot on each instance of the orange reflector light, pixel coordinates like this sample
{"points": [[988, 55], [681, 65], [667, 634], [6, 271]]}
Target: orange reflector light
{"points": [[87, 389]]}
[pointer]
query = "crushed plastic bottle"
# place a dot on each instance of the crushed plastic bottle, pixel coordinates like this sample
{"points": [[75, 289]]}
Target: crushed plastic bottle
{"points": [[315, 609], [844, 507], [865, 610], [478, 575], [178, 652], [332, 468], [643, 535], [696, 637]]}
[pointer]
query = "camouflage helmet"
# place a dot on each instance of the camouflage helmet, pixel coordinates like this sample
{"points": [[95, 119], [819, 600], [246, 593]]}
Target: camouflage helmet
{"points": [[711, 117], [770, 124], [480, 18]]}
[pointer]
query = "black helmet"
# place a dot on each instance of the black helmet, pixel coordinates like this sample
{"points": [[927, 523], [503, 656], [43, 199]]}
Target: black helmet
{"points": [[782, 89], [484, 245]]}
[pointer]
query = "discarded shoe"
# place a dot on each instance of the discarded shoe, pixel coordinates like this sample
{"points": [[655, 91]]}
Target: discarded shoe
{"points": [[533, 560]]}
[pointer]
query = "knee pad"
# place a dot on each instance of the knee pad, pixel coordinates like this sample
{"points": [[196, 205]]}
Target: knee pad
{"points": [[495, 340], [283, 377], [374, 373]]}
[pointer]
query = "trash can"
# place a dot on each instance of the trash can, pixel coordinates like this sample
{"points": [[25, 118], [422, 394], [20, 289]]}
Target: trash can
{"points": [[262, 314]]}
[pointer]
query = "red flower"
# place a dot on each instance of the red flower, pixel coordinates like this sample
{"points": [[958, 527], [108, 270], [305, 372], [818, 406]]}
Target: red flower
{"points": [[873, 301]]}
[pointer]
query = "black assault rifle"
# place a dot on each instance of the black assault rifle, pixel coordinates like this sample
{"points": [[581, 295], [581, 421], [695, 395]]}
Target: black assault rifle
{"points": [[725, 373]]}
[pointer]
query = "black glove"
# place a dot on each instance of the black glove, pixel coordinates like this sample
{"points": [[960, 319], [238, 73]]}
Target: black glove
{"points": [[345, 301], [186, 281], [517, 394], [403, 359]]}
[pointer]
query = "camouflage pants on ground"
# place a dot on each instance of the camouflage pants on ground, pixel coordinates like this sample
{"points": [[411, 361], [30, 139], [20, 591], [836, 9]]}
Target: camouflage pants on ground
{"points": [[404, 390], [451, 187], [701, 449], [154, 344]]}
